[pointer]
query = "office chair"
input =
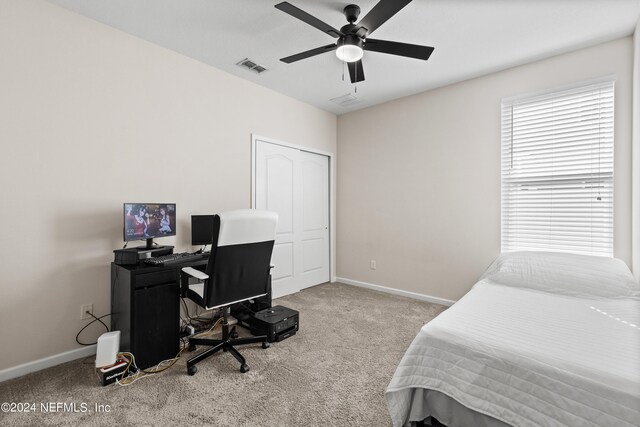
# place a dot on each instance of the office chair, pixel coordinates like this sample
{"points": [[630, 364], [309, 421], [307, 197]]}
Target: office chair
{"points": [[238, 270]]}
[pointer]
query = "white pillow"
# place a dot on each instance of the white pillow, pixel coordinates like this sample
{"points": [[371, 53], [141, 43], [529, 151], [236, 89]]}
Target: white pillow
{"points": [[564, 273]]}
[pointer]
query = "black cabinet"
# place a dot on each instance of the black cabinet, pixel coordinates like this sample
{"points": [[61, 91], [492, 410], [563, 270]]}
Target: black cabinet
{"points": [[156, 323], [145, 306]]}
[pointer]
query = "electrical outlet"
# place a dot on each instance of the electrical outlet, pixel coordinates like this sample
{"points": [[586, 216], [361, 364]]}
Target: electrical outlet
{"points": [[373, 264], [83, 311]]}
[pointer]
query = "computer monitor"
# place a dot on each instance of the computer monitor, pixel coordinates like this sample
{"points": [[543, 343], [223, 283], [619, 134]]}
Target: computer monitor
{"points": [[201, 229], [146, 221]]}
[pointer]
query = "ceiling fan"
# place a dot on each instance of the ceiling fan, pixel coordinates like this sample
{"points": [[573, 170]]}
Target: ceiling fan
{"points": [[353, 39]]}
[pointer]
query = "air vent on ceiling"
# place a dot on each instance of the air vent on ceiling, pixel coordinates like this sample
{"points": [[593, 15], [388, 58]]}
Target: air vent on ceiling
{"points": [[249, 64], [346, 100]]}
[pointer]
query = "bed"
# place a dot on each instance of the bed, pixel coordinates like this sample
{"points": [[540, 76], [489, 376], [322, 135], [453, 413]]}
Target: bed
{"points": [[543, 339]]}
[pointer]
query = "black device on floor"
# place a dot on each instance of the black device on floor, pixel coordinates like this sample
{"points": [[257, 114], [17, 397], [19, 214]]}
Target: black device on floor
{"points": [[244, 311], [277, 323], [110, 374]]}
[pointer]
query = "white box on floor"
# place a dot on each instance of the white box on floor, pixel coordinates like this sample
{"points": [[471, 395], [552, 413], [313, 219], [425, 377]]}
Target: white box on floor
{"points": [[107, 351]]}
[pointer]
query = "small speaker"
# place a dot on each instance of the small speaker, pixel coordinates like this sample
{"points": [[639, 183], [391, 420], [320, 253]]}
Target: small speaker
{"points": [[108, 346], [125, 256]]}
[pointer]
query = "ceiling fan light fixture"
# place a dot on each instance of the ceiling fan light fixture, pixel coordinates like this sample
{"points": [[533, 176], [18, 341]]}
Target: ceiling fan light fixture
{"points": [[349, 49], [353, 38]]}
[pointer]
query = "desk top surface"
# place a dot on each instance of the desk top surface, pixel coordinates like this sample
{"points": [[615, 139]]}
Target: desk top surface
{"points": [[142, 266]]}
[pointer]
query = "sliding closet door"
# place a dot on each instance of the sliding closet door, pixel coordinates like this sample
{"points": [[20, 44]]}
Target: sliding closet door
{"points": [[295, 184], [314, 218], [276, 190]]}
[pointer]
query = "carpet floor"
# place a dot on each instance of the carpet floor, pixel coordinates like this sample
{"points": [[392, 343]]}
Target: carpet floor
{"points": [[332, 373]]}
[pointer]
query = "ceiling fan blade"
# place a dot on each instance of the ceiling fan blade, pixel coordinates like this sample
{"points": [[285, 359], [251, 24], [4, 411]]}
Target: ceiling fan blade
{"points": [[356, 72], [380, 13], [401, 49], [309, 19], [309, 53]]}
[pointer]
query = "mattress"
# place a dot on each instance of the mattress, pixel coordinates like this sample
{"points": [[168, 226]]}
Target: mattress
{"points": [[532, 349]]}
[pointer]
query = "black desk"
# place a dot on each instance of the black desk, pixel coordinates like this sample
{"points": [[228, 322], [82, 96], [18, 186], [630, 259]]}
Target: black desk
{"points": [[145, 307]]}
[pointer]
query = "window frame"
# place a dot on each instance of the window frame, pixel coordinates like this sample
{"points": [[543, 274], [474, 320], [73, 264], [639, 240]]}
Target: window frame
{"points": [[583, 223]]}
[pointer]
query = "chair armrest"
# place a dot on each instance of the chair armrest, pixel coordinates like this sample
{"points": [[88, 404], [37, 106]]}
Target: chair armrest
{"points": [[195, 273]]}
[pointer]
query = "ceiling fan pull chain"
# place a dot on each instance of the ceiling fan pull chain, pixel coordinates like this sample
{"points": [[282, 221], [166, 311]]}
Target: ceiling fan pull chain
{"points": [[343, 71], [356, 73]]}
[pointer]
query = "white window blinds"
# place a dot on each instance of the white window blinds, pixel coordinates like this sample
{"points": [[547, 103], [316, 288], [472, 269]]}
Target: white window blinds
{"points": [[557, 171]]}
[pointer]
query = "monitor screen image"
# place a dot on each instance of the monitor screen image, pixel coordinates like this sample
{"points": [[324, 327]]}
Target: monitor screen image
{"points": [[149, 220], [201, 229]]}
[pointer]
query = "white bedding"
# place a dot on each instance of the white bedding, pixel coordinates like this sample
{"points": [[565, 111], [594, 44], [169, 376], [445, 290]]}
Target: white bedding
{"points": [[529, 357]]}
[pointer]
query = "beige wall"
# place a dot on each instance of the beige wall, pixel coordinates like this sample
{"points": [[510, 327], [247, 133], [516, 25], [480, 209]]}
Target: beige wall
{"points": [[635, 151], [419, 177], [91, 118]]}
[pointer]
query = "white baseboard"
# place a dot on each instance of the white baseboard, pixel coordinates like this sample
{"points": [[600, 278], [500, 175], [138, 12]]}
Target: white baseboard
{"points": [[68, 356], [47, 362], [393, 291]]}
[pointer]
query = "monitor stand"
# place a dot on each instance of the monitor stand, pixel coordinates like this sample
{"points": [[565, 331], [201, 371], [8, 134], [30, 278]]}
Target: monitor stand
{"points": [[131, 256], [149, 250], [149, 245], [156, 251]]}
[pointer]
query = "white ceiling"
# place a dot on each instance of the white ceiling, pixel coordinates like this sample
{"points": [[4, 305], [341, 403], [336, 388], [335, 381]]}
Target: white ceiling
{"points": [[471, 38]]}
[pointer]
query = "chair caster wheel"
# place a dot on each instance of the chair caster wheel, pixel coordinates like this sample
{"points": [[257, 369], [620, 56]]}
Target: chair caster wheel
{"points": [[234, 335], [244, 368], [192, 370], [265, 344], [192, 347]]}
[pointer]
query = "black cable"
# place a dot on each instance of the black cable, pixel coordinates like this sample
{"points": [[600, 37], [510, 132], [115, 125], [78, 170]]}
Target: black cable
{"points": [[186, 309], [202, 250], [197, 319], [97, 319]]}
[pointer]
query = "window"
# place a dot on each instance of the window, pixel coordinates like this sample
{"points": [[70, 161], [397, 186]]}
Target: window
{"points": [[557, 171]]}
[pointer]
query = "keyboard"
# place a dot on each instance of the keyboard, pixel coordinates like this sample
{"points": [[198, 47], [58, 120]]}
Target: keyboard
{"points": [[176, 258]]}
